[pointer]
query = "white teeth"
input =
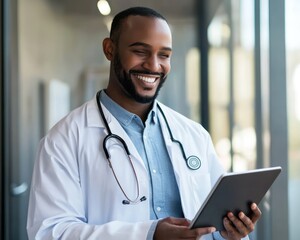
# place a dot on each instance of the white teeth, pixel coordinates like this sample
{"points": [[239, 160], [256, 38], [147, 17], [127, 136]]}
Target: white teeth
{"points": [[147, 79]]}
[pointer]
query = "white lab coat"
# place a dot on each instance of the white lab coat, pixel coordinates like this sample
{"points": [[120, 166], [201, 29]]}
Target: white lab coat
{"points": [[74, 194]]}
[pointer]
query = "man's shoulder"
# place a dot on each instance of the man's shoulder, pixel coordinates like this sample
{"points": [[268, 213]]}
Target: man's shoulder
{"points": [[77, 118]]}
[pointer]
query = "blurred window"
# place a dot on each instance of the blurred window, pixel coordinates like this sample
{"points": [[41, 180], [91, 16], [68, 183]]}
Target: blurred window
{"points": [[231, 84]]}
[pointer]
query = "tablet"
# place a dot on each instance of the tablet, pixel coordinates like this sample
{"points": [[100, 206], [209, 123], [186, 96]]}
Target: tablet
{"points": [[234, 192]]}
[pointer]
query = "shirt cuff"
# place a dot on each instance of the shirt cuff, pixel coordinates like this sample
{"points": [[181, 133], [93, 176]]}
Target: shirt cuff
{"points": [[151, 231], [217, 236]]}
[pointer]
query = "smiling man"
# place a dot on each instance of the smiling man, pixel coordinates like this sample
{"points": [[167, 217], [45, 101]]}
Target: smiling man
{"points": [[117, 167]]}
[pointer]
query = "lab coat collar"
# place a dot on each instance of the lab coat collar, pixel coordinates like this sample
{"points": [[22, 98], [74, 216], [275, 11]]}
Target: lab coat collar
{"points": [[93, 118]]}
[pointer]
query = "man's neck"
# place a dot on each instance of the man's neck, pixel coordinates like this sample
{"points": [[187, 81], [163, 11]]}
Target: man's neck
{"points": [[140, 109]]}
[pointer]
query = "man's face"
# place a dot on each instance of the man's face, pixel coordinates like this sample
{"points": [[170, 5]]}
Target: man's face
{"points": [[142, 58]]}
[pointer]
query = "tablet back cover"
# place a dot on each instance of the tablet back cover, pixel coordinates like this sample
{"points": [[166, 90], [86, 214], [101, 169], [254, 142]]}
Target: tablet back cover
{"points": [[234, 192]]}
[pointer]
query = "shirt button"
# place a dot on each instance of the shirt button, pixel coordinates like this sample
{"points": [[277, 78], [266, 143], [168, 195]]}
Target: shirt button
{"points": [[158, 209], [154, 171]]}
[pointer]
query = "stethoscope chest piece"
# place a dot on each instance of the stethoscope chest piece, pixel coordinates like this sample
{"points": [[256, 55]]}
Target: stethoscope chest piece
{"points": [[193, 162]]}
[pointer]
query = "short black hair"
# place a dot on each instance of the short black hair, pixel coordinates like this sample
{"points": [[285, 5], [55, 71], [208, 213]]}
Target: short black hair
{"points": [[133, 11]]}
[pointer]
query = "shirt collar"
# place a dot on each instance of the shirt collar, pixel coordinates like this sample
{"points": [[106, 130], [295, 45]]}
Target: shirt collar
{"points": [[125, 117]]}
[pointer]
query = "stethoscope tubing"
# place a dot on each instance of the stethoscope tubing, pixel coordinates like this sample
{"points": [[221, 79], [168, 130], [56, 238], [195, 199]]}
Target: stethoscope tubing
{"points": [[110, 135], [192, 162]]}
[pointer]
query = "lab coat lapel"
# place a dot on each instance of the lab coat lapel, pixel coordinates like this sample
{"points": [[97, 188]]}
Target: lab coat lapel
{"points": [[173, 151], [182, 173]]}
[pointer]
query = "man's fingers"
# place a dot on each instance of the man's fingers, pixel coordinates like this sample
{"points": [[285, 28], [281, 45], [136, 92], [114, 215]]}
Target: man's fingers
{"points": [[203, 231], [178, 221], [256, 213], [246, 222], [175, 228], [240, 225]]}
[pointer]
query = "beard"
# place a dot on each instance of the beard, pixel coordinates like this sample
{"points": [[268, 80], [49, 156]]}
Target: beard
{"points": [[126, 82]]}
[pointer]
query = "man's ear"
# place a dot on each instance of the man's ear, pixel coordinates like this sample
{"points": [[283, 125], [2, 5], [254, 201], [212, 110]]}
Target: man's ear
{"points": [[108, 48]]}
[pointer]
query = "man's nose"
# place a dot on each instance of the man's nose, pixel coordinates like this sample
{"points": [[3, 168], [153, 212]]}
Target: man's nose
{"points": [[152, 64]]}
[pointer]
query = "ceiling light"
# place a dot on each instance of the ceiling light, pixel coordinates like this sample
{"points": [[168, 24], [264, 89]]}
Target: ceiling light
{"points": [[103, 7]]}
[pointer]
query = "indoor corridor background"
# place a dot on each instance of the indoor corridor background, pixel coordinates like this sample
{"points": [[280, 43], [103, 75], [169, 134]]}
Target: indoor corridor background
{"points": [[235, 69]]}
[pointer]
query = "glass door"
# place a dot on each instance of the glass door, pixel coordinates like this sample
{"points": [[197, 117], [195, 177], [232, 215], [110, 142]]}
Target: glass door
{"points": [[14, 183]]}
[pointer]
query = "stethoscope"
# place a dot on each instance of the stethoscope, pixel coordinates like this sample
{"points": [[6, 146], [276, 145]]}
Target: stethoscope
{"points": [[192, 162]]}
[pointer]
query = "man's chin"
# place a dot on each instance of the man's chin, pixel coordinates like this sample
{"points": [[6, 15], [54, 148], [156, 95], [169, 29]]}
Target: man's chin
{"points": [[144, 100]]}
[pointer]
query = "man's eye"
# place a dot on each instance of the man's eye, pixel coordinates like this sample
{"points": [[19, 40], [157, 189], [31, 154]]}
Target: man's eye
{"points": [[165, 55], [140, 52]]}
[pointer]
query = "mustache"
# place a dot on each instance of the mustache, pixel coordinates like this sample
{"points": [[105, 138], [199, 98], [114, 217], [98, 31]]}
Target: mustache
{"points": [[162, 75]]}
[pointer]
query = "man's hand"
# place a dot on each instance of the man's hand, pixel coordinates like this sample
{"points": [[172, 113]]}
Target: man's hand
{"points": [[178, 228], [240, 226]]}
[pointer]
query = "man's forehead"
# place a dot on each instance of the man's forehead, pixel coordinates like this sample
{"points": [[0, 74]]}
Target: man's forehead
{"points": [[137, 21], [139, 28]]}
